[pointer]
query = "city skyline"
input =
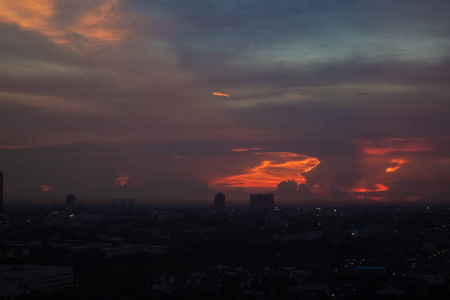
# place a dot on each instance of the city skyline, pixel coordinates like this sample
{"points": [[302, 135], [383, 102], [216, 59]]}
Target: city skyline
{"points": [[170, 103]]}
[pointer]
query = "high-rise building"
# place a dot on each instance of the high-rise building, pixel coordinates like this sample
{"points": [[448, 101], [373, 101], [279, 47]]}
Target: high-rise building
{"points": [[219, 203], [70, 202], [1, 191], [261, 203]]}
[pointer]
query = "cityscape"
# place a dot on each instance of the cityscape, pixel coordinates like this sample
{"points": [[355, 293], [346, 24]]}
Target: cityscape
{"points": [[262, 251], [239, 149]]}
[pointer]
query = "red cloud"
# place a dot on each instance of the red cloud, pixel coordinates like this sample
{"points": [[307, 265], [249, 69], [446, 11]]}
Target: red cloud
{"points": [[122, 180], [379, 187], [273, 169], [383, 147], [46, 188]]}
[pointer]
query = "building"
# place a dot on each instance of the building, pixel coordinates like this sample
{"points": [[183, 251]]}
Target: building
{"points": [[1, 192], [70, 202], [133, 249], [23, 279], [219, 203], [261, 203]]}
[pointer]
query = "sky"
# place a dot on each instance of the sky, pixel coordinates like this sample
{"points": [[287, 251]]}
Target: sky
{"points": [[170, 102]]}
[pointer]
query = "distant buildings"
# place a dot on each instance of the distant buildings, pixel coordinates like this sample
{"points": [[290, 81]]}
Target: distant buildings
{"points": [[70, 202], [261, 203], [1, 192], [16, 280], [132, 249], [219, 203]]}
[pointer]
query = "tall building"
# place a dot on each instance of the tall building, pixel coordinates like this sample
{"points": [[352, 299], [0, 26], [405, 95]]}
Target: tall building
{"points": [[70, 202], [1, 192], [261, 203], [219, 203]]}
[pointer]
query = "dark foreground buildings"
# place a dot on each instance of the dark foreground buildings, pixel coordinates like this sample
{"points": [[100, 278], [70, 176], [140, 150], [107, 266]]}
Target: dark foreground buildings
{"points": [[19, 280], [261, 203]]}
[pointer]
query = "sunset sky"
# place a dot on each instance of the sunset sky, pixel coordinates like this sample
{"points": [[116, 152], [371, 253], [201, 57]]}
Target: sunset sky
{"points": [[173, 101]]}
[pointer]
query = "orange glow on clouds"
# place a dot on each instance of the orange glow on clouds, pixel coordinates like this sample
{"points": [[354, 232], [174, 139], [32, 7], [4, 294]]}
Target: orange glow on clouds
{"points": [[245, 150], [99, 24], [31, 15], [122, 180], [370, 198], [378, 188], [46, 188], [392, 169], [383, 147], [274, 168], [397, 161], [220, 94]]}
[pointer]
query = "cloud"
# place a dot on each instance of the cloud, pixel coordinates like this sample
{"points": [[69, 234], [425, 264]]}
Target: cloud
{"points": [[120, 93], [46, 188], [415, 173], [88, 25], [383, 147], [122, 180], [100, 173], [292, 190], [245, 149], [220, 94], [399, 162], [287, 189], [379, 187], [274, 168], [392, 169]]}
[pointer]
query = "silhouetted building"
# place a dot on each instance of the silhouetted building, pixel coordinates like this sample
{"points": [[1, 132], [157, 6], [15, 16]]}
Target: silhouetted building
{"points": [[261, 203], [126, 204], [70, 202], [1, 191], [219, 203]]}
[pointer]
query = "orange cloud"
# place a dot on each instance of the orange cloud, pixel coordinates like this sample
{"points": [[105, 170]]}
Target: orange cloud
{"points": [[379, 187], [220, 94], [392, 169], [397, 161], [31, 15], [378, 151], [122, 180], [245, 149], [274, 168], [47, 188], [100, 24]]}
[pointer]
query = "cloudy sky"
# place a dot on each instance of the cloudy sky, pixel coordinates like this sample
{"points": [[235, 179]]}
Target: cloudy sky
{"points": [[172, 101]]}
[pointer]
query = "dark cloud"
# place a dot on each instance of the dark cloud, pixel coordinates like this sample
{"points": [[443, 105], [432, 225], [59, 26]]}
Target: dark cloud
{"points": [[293, 193]]}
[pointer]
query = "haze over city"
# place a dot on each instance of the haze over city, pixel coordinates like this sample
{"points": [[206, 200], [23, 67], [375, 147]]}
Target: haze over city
{"points": [[170, 102]]}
